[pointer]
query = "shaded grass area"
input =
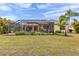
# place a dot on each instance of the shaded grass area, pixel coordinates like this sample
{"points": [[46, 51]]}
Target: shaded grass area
{"points": [[39, 45]]}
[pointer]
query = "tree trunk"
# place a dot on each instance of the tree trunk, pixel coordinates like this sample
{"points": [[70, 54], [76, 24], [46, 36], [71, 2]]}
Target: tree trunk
{"points": [[65, 33], [66, 30]]}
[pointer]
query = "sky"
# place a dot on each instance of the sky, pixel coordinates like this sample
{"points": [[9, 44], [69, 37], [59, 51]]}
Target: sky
{"points": [[27, 11]]}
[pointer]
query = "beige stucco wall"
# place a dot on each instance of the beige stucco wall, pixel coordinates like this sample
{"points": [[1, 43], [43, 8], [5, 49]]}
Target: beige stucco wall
{"points": [[56, 27]]}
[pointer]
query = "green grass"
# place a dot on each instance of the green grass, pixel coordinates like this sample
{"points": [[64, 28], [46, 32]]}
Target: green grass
{"points": [[39, 45]]}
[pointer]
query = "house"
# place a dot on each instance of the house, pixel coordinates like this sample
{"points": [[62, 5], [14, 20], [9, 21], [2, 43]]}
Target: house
{"points": [[35, 25]]}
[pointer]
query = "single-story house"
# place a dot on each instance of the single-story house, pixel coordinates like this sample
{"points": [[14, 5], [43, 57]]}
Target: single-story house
{"points": [[36, 25]]}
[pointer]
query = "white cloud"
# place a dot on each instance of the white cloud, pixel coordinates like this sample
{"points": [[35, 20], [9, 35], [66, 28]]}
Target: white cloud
{"points": [[24, 5], [73, 6], [54, 16], [53, 13], [43, 6], [4, 7], [56, 13], [61, 10]]}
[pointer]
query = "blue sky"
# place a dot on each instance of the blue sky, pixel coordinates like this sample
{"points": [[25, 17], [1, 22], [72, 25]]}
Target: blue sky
{"points": [[17, 11]]}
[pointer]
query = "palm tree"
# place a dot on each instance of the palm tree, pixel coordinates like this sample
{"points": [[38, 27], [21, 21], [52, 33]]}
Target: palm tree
{"points": [[71, 13], [63, 20]]}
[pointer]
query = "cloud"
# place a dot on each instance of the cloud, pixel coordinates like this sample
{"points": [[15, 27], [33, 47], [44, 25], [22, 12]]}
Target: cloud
{"points": [[43, 6], [54, 16], [38, 10], [54, 13], [4, 7], [60, 10], [57, 11], [24, 5], [73, 6], [64, 8]]}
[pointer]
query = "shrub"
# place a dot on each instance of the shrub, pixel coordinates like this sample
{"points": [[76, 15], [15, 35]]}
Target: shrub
{"points": [[24, 33], [20, 33], [43, 33], [70, 30], [31, 33], [76, 27], [41, 28], [58, 31]]}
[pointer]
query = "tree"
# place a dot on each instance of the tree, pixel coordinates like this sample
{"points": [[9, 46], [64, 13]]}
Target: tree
{"points": [[63, 22], [76, 27], [4, 25], [71, 13], [41, 28], [75, 24], [66, 18]]}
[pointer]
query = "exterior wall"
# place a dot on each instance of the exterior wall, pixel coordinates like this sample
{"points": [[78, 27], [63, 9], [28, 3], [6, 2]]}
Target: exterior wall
{"points": [[56, 27], [36, 26]]}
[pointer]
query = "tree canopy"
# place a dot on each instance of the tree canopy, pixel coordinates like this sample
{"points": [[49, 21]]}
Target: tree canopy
{"points": [[63, 20], [71, 13], [4, 25]]}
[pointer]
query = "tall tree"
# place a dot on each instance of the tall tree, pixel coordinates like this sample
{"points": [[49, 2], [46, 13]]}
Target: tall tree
{"points": [[66, 18], [71, 13], [63, 20], [4, 25]]}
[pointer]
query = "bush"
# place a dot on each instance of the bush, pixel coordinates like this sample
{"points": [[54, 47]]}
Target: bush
{"points": [[76, 26], [32, 33], [58, 31], [24, 33], [20, 33], [70, 30]]}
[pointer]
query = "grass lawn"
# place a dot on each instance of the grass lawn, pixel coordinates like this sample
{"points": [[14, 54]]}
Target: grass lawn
{"points": [[39, 45]]}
